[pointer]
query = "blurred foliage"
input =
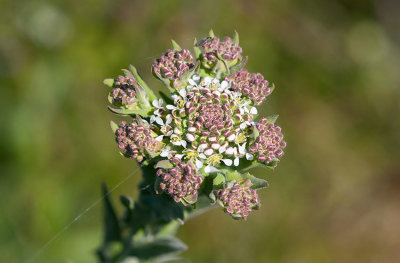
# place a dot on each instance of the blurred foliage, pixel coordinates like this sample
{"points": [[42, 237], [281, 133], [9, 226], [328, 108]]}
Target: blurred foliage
{"points": [[335, 196]]}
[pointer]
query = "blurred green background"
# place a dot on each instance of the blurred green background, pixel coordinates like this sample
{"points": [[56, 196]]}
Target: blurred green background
{"points": [[335, 197]]}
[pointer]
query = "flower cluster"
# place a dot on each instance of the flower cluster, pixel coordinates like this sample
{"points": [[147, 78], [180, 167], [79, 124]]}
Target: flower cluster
{"points": [[238, 200], [269, 144], [250, 85], [124, 92], [181, 181], [136, 141], [226, 49], [173, 64], [207, 129]]}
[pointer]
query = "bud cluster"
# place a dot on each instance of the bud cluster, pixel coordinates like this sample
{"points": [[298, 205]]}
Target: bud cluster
{"points": [[135, 140], [250, 85], [173, 64], [269, 144], [123, 94], [181, 181], [238, 200], [226, 49]]}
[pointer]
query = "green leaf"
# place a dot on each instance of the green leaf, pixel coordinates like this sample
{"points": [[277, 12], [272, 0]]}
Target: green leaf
{"points": [[143, 84], [165, 164], [175, 45], [219, 179], [109, 82], [257, 183], [233, 176], [112, 231], [143, 113], [236, 38], [158, 247], [114, 126]]}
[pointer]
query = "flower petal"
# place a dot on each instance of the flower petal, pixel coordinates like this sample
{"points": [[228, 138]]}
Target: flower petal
{"points": [[249, 156], [227, 162]]}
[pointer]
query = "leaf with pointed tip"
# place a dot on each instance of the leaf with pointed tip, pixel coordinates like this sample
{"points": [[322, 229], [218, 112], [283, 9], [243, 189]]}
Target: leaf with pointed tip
{"points": [[109, 82], [211, 33], [257, 183], [272, 88], [175, 45], [239, 65], [272, 118], [143, 84], [158, 247], [114, 126], [125, 112], [112, 231], [236, 38]]}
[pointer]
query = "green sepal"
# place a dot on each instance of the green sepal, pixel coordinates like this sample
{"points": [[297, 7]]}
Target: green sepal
{"points": [[272, 88], [114, 126], [127, 112], [109, 82], [211, 33], [143, 84], [175, 45], [256, 183], [197, 50], [256, 132], [239, 65], [272, 118], [236, 38]]}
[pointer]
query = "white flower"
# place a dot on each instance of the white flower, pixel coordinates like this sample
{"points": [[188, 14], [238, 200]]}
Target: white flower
{"points": [[192, 82], [157, 103], [165, 151], [171, 107], [224, 84], [198, 163], [242, 149]]}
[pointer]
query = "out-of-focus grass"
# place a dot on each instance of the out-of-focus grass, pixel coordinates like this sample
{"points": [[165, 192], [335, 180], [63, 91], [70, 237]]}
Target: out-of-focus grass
{"points": [[334, 197]]}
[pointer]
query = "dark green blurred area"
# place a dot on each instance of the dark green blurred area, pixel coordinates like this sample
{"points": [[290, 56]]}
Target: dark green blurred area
{"points": [[335, 197]]}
